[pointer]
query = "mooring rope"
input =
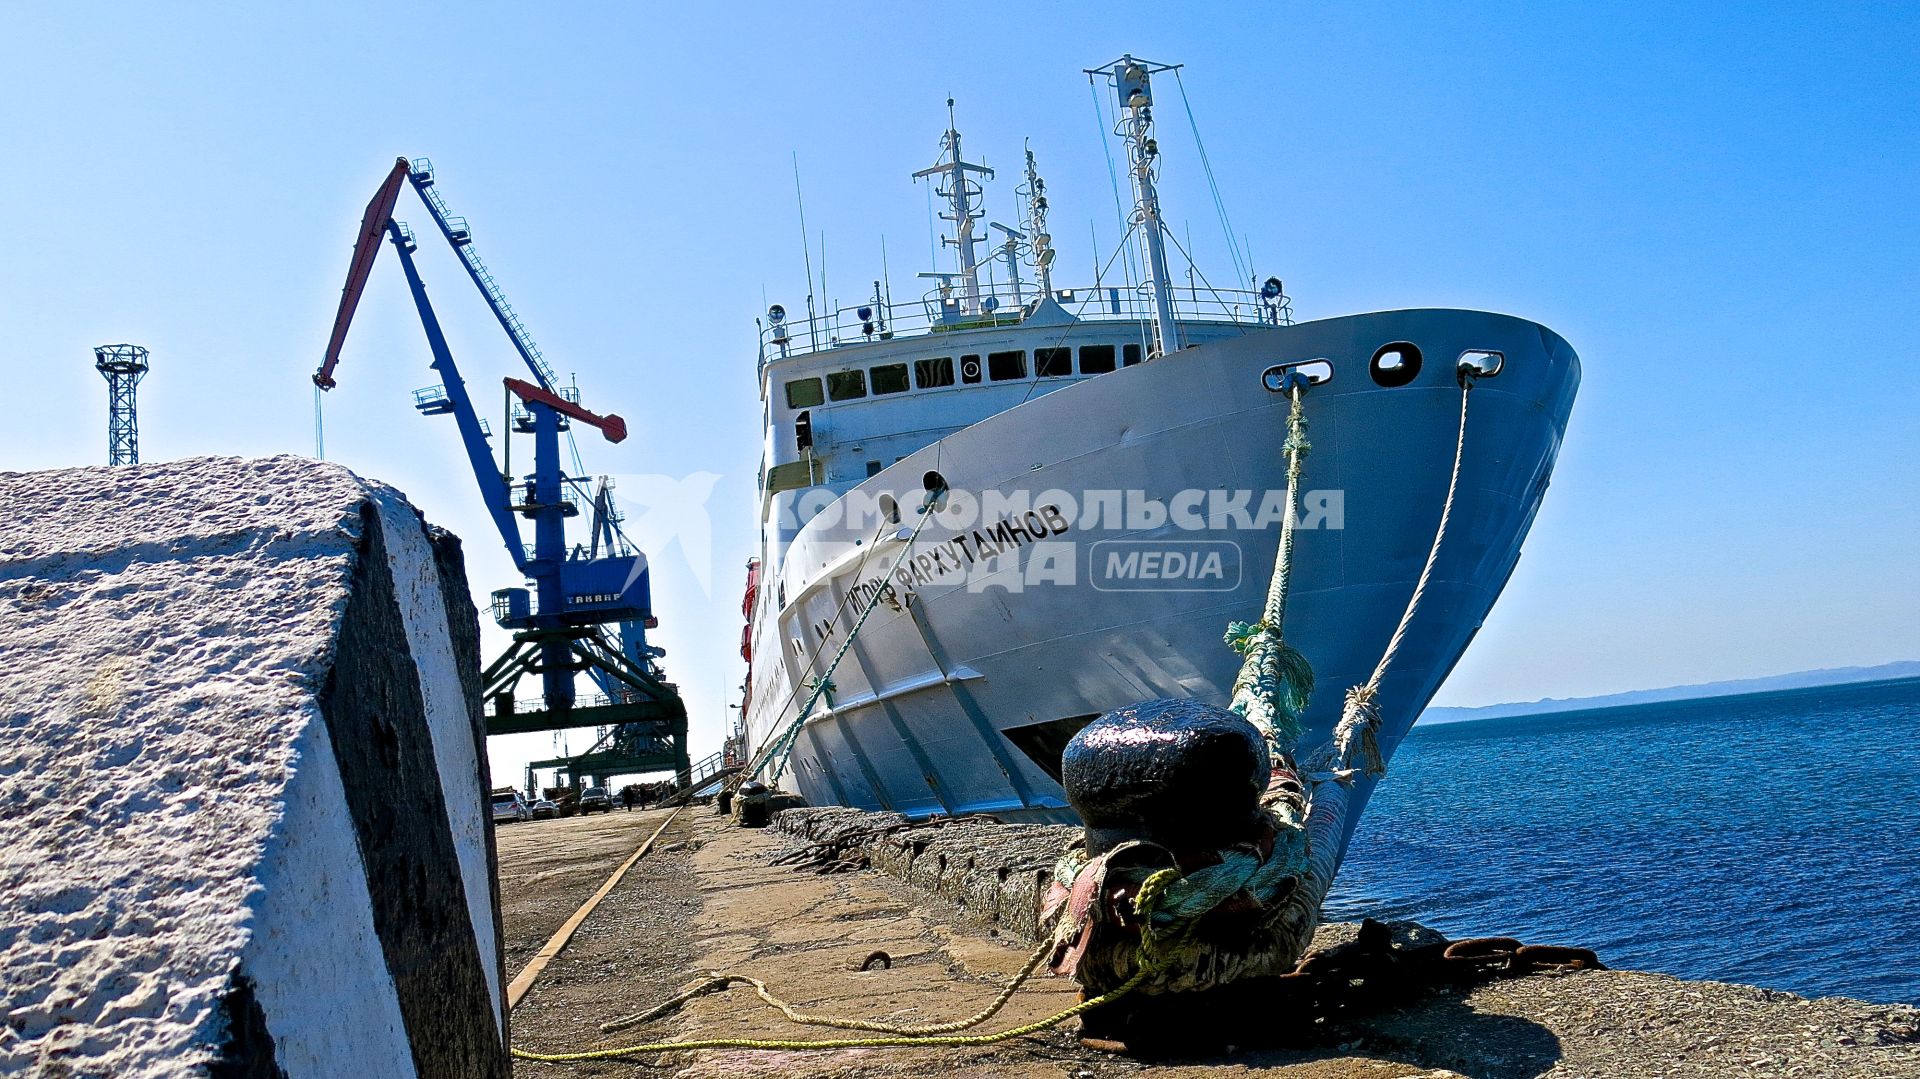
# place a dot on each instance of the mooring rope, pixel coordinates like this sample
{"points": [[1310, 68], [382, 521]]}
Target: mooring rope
{"points": [[1359, 726], [1355, 746], [1271, 693], [718, 982], [1275, 680]]}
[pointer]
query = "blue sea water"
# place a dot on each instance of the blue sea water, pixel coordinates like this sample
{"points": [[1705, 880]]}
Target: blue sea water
{"points": [[1771, 839]]}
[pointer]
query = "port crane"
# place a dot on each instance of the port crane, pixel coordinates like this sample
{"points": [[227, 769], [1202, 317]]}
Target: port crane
{"points": [[589, 606]]}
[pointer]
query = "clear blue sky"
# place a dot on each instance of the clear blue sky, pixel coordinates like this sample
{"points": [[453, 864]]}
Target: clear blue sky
{"points": [[1715, 204]]}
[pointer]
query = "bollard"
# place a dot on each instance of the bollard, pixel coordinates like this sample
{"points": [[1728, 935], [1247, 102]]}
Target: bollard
{"points": [[1178, 773], [753, 805], [1158, 784]]}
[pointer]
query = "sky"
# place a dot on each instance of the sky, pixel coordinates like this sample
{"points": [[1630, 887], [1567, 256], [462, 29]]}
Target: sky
{"points": [[1714, 203]]}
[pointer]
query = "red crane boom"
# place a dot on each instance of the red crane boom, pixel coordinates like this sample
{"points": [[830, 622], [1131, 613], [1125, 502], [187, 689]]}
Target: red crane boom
{"points": [[372, 224]]}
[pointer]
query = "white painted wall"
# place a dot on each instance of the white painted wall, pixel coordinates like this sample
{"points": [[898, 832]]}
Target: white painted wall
{"points": [[315, 958]]}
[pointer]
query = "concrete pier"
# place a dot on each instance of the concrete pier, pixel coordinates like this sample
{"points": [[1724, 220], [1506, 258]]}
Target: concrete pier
{"points": [[709, 897], [244, 830]]}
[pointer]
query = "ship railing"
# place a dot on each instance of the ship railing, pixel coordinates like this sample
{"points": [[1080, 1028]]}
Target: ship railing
{"points": [[950, 309], [704, 769]]}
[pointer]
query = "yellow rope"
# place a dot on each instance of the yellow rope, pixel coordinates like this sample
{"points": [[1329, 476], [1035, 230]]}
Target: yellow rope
{"points": [[1150, 891], [723, 981]]}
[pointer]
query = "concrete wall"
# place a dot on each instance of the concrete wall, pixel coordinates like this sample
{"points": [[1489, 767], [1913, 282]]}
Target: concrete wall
{"points": [[993, 875], [242, 780]]}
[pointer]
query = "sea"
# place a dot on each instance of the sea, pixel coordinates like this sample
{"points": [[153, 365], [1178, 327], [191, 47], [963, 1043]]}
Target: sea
{"points": [[1771, 839]]}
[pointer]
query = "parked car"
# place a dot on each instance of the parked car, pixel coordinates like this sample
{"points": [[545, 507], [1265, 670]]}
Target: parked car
{"points": [[595, 800], [545, 810], [508, 806]]}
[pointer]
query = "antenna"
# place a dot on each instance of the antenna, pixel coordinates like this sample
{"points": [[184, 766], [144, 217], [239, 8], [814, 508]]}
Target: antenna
{"points": [[1132, 82], [806, 251], [123, 366], [960, 191], [1041, 247], [873, 319]]}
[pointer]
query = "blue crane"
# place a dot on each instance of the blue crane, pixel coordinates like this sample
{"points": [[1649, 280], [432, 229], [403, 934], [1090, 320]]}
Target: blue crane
{"points": [[589, 606]]}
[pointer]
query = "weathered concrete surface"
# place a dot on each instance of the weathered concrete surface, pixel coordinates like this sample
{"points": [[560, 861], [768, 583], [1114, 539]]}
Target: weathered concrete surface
{"points": [[549, 867], [709, 899], [243, 778], [994, 875]]}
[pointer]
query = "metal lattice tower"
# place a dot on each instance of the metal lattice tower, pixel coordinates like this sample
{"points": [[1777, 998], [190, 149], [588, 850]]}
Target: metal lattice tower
{"points": [[123, 366]]}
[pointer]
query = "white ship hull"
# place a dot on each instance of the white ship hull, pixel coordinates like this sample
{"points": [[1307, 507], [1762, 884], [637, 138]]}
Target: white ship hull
{"points": [[967, 649]]}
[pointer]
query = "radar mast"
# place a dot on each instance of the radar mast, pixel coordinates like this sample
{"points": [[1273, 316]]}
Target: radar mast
{"points": [[961, 192], [1041, 243], [1131, 80]]}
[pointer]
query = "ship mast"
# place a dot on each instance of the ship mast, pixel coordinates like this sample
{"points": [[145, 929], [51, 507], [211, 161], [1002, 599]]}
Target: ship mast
{"points": [[1131, 80], [1042, 244], [960, 191]]}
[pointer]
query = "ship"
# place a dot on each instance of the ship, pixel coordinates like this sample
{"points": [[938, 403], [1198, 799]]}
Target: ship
{"points": [[993, 513]]}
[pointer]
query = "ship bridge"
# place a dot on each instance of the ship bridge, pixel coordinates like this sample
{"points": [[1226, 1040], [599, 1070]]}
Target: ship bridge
{"points": [[851, 390], [886, 381]]}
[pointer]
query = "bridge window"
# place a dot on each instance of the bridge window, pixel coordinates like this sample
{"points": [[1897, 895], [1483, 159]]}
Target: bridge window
{"points": [[1129, 355], [891, 378], [1096, 359], [1053, 362], [846, 385], [1004, 366], [804, 393], [934, 372], [970, 369]]}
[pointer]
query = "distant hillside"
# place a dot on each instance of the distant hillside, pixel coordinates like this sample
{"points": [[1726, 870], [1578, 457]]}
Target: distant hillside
{"points": [[1831, 676]]}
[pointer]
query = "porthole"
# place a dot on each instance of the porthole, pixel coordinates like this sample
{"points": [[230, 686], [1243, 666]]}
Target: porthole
{"points": [[1395, 364]]}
